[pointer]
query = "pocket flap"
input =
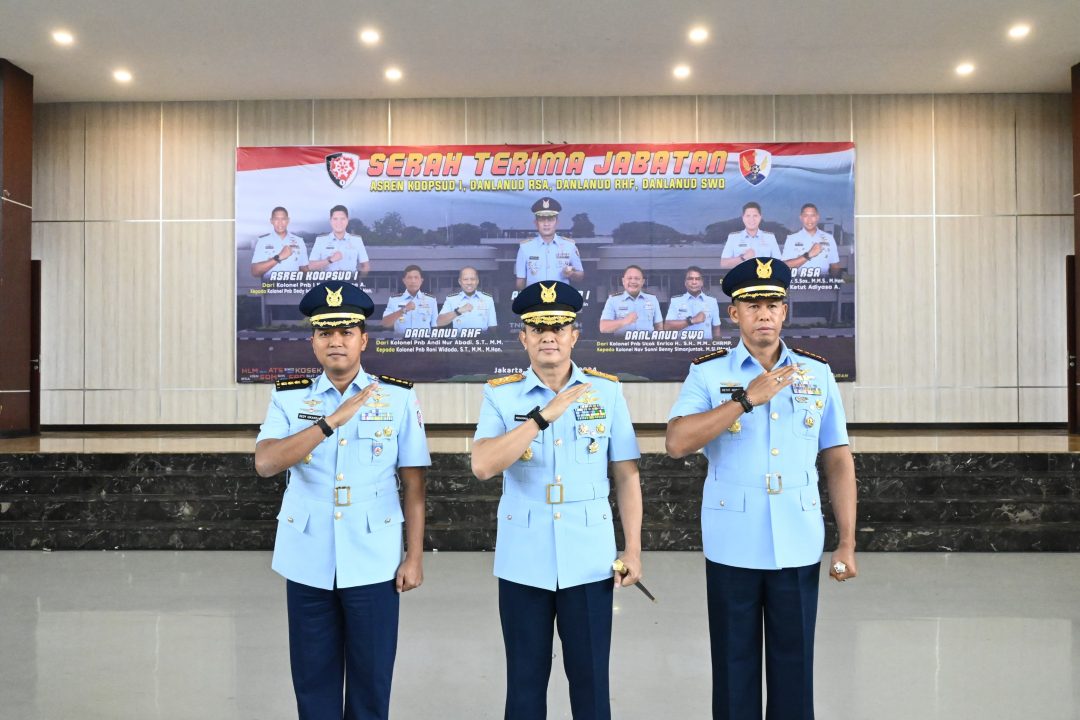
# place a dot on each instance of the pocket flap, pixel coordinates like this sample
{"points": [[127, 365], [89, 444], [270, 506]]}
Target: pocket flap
{"points": [[811, 498], [597, 512], [724, 497], [514, 511], [385, 514], [294, 514]]}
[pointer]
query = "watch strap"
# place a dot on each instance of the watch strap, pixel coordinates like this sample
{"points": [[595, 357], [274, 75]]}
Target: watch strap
{"points": [[325, 427], [538, 418]]}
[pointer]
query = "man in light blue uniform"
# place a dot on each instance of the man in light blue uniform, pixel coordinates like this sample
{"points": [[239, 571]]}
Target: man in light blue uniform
{"points": [[279, 250], [345, 439], [338, 249], [412, 309], [763, 412], [469, 308], [631, 309], [551, 432], [751, 242], [694, 313], [812, 247], [547, 256]]}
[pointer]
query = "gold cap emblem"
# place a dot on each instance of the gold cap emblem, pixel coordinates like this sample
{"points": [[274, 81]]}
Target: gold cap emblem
{"points": [[333, 299], [764, 269], [547, 294], [547, 203]]}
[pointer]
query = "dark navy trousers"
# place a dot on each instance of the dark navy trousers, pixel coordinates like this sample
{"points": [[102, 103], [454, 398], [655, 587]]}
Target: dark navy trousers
{"points": [[744, 605], [583, 617], [342, 643]]}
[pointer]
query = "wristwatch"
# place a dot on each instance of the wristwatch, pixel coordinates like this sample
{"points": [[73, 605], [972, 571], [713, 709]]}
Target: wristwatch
{"points": [[806, 254], [276, 258], [739, 396], [457, 311], [538, 418], [325, 427]]}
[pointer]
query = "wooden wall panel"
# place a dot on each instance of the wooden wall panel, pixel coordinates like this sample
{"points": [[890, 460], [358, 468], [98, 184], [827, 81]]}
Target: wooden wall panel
{"points": [[122, 297], [736, 118], [197, 319], [895, 260], [252, 400], [123, 153], [427, 122], [121, 407], [977, 405], [198, 407], [61, 407], [650, 402], [813, 118], [274, 122], [59, 246], [658, 119], [1042, 245], [1044, 405], [894, 154], [975, 154], [59, 161], [976, 302], [198, 143], [352, 122], [443, 403], [1043, 154], [498, 121], [580, 119]]}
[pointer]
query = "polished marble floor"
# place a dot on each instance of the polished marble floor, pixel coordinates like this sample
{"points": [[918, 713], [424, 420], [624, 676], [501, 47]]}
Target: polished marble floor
{"points": [[460, 441], [183, 635]]}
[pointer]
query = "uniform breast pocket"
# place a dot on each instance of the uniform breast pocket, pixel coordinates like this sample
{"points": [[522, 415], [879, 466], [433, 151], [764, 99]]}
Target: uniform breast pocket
{"points": [[376, 442], [805, 417], [591, 441], [533, 455]]}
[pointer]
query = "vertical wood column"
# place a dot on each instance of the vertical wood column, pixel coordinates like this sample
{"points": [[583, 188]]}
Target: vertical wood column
{"points": [[16, 301], [1073, 323]]}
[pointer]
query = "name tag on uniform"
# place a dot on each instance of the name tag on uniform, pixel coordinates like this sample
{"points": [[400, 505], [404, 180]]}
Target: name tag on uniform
{"points": [[728, 389], [309, 416], [521, 418]]}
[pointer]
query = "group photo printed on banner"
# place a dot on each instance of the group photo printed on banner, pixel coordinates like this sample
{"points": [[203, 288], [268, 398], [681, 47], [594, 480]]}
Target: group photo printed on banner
{"points": [[444, 237]]}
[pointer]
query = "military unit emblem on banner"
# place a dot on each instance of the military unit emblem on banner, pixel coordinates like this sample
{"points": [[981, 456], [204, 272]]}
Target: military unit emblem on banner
{"points": [[342, 168], [755, 165]]}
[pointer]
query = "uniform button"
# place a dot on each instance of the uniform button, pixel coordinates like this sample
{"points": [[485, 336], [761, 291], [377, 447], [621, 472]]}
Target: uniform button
{"points": [[341, 476], [558, 442], [605, 516], [509, 517], [558, 478], [558, 515], [722, 503], [774, 416], [775, 451], [387, 521], [343, 441], [289, 519], [813, 502], [337, 515]]}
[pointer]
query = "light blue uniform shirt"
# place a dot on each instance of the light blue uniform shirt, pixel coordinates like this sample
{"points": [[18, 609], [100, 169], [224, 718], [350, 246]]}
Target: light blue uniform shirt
{"points": [[742, 523], [647, 307], [802, 241], [686, 306], [269, 245], [360, 543], [422, 316], [482, 314], [538, 260], [351, 248], [548, 545], [764, 245]]}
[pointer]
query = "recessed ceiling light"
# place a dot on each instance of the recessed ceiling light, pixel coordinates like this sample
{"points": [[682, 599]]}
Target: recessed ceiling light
{"points": [[1019, 31], [965, 69], [369, 36], [681, 71], [393, 74], [121, 76], [698, 34], [63, 37]]}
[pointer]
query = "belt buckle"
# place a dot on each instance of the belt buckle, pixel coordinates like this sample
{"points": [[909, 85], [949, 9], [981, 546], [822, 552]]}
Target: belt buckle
{"points": [[348, 496], [562, 494], [779, 483]]}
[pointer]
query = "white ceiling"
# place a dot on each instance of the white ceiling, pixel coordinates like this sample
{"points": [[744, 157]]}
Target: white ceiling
{"points": [[267, 49]]}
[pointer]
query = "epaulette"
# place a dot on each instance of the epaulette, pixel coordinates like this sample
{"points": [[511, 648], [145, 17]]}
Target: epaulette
{"points": [[262, 236], [710, 356], [293, 383], [597, 373], [390, 380], [799, 351], [506, 380], [484, 293]]}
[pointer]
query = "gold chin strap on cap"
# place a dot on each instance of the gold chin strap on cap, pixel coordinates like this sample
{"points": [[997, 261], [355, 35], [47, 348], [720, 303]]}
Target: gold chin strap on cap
{"points": [[549, 317], [327, 320], [760, 291]]}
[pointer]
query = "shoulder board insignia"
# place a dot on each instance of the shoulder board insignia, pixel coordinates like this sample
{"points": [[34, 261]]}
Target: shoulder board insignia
{"points": [[483, 293], [710, 356], [805, 353], [293, 383], [597, 373], [262, 236], [506, 380], [390, 380]]}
